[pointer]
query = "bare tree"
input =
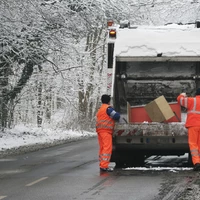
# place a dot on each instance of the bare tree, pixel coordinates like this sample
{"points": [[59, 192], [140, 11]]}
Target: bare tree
{"points": [[53, 54]]}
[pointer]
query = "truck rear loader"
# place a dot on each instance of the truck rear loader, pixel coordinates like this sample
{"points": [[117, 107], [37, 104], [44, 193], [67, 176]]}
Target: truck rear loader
{"points": [[145, 63]]}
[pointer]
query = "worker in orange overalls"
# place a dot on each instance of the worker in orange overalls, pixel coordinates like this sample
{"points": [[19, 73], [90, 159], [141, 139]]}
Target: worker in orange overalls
{"points": [[105, 122], [193, 125]]}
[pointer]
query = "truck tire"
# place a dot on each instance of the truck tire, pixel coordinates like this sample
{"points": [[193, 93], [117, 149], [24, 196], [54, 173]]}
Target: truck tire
{"points": [[119, 164], [138, 160], [190, 164], [135, 160]]}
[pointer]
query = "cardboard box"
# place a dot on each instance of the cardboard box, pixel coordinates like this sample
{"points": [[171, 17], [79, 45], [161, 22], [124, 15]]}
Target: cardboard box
{"points": [[159, 110]]}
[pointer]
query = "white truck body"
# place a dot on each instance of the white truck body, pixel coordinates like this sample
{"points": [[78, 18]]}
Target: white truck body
{"points": [[143, 64]]}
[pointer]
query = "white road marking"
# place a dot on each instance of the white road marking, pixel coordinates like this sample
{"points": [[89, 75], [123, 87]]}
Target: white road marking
{"points": [[7, 159], [13, 171], [2, 197], [37, 181]]}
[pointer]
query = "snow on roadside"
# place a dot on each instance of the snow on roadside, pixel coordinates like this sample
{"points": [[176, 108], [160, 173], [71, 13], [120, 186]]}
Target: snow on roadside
{"points": [[171, 169], [21, 136]]}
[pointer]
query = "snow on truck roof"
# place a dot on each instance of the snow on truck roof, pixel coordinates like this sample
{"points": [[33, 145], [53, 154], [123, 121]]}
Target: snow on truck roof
{"points": [[164, 41]]}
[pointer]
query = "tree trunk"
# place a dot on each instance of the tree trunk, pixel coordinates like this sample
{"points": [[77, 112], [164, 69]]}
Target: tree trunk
{"points": [[4, 73], [4, 110], [86, 105], [39, 105]]}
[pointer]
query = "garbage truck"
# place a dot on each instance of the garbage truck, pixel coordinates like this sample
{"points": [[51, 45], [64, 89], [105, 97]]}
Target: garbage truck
{"points": [[145, 63]]}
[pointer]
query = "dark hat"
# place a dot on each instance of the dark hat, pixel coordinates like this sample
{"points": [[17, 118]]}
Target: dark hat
{"points": [[198, 91], [105, 98]]}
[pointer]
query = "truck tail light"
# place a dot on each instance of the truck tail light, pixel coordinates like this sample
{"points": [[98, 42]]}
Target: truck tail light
{"points": [[112, 33], [109, 23]]}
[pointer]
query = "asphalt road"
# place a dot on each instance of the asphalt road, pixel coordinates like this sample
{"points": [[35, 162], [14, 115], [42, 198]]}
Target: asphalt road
{"points": [[70, 172]]}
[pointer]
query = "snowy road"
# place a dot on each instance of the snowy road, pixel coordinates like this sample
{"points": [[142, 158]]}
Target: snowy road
{"points": [[71, 171]]}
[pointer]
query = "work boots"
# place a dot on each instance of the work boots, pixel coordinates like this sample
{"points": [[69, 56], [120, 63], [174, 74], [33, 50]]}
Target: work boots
{"points": [[106, 169], [196, 167]]}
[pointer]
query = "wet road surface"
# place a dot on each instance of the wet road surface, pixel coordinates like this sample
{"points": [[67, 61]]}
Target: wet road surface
{"points": [[71, 171]]}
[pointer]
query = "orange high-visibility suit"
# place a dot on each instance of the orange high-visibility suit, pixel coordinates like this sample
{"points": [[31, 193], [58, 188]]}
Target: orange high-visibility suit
{"points": [[192, 124], [104, 129]]}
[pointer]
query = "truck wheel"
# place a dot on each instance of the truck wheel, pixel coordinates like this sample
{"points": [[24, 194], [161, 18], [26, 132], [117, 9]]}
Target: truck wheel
{"points": [[119, 164], [138, 160], [130, 160], [190, 164]]}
